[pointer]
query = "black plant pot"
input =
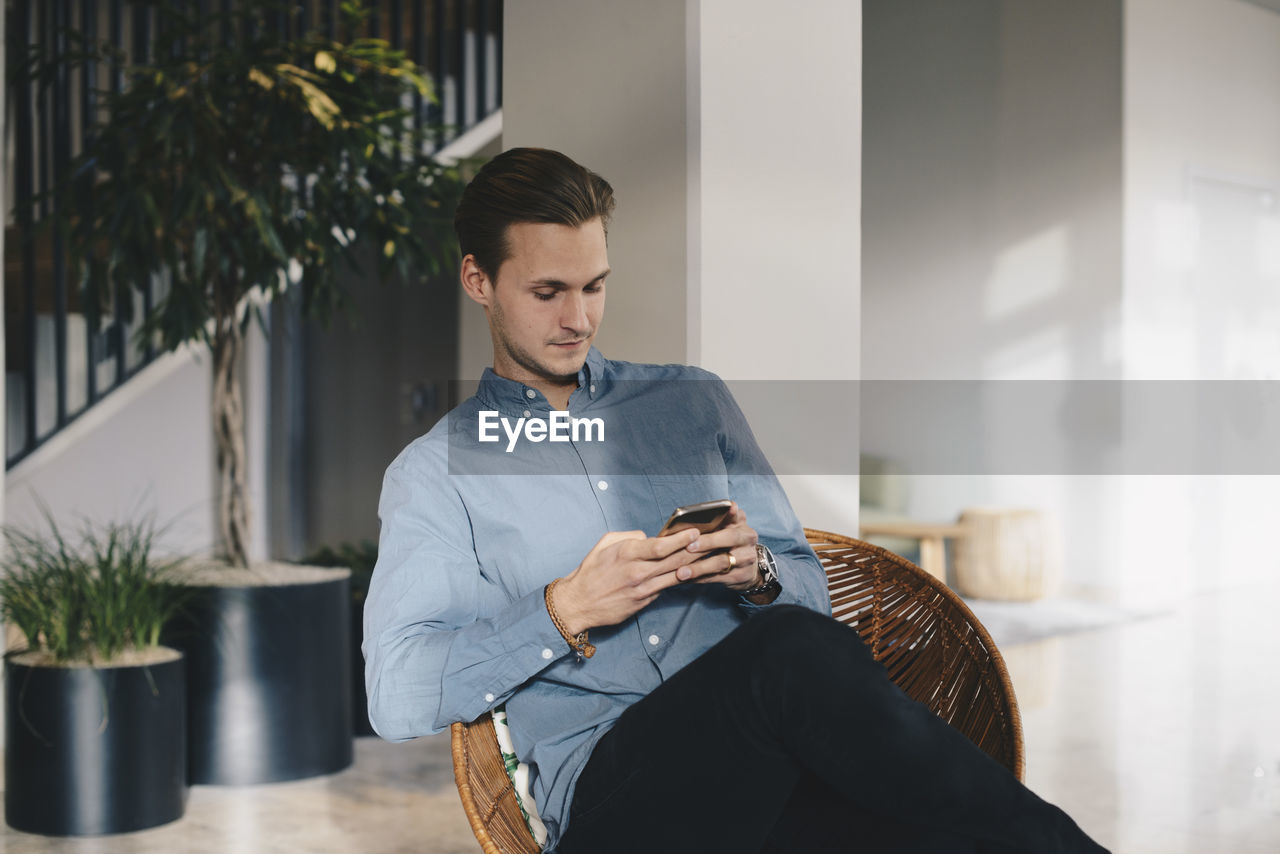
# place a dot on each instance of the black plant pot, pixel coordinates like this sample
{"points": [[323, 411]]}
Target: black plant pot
{"points": [[91, 751], [268, 684], [359, 696]]}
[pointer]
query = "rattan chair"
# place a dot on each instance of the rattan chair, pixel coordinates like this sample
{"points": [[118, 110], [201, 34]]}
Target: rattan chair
{"points": [[932, 645]]}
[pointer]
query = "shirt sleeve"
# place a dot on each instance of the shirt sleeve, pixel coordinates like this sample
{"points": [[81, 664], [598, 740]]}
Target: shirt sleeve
{"points": [[440, 643], [753, 484]]}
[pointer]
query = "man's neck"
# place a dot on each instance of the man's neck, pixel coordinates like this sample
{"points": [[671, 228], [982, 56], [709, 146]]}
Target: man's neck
{"points": [[556, 392], [557, 396]]}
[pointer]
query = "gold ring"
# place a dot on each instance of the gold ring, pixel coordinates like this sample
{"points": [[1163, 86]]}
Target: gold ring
{"points": [[733, 561]]}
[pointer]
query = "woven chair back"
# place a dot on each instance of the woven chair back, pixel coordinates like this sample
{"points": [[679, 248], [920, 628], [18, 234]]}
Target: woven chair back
{"points": [[929, 641]]}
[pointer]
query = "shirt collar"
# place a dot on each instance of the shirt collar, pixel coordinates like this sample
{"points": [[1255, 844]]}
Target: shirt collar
{"points": [[516, 397]]}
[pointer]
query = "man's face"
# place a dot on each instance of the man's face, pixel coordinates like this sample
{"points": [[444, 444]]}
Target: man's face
{"points": [[547, 302]]}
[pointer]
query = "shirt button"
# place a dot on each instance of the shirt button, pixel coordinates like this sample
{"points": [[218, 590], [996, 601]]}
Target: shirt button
{"points": [[546, 653], [603, 484], [488, 698], [593, 389], [527, 413], [530, 393], [653, 640]]}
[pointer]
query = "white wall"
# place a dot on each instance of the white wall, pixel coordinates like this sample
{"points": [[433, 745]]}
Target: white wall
{"points": [[1053, 193], [604, 82], [992, 145], [147, 447], [1202, 268], [735, 244], [991, 228], [475, 348]]}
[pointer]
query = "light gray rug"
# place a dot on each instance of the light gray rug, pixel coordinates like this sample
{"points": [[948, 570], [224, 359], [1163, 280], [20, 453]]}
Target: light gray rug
{"points": [[1013, 623]]}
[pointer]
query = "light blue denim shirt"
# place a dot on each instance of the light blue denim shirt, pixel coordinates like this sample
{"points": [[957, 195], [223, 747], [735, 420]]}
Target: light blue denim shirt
{"points": [[455, 622]]}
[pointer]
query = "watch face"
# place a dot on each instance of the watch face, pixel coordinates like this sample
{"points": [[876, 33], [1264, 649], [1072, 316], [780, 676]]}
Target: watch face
{"points": [[768, 571], [768, 566]]}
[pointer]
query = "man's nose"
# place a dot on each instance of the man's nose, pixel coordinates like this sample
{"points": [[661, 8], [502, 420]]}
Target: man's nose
{"points": [[574, 315]]}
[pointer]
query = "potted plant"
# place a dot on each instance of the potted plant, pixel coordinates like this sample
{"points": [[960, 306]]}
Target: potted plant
{"points": [[241, 166], [95, 730]]}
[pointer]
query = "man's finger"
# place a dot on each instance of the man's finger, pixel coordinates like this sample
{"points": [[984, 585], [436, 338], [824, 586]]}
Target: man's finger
{"points": [[726, 538], [657, 555], [708, 566], [657, 584], [663, 547], [719, 569], [670, 564]]}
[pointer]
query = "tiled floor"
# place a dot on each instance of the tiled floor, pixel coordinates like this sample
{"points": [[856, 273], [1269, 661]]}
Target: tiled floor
{"points": [[395, 798], [1160, 736]]}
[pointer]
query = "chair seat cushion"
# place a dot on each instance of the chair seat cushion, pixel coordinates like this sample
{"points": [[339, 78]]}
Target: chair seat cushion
{"points": [[519, 774]]}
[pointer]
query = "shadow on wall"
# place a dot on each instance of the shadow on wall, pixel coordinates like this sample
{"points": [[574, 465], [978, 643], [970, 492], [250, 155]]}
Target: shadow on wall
{"points": [[992, 210]]}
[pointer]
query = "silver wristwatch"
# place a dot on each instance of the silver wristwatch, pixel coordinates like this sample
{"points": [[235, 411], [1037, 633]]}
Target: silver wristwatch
{"points": [[768, 571]]}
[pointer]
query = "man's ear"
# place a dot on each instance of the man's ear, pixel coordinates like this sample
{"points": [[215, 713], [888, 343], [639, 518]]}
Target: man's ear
{"points": [[475, 282]]}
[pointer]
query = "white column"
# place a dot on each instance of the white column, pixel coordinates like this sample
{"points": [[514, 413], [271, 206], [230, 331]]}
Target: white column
{"points": [[776, 198], [775, 219]]}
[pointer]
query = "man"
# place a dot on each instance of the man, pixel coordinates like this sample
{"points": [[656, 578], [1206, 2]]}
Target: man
{"points": [[685, 692]]}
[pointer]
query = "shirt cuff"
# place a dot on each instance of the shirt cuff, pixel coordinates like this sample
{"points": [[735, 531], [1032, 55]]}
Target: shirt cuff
{"points": [[530, 643], [543, 645]]}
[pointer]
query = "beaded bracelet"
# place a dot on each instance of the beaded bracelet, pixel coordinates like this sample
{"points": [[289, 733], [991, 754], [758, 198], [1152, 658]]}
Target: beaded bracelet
{"points": [[578, 643]]}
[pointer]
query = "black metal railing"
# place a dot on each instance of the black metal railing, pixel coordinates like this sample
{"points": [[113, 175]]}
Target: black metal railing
{"points": [[62, 355]]}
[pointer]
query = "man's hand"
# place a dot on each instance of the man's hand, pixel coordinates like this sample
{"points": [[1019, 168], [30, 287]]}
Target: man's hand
{"points": [[736, 538], [622, 573]]}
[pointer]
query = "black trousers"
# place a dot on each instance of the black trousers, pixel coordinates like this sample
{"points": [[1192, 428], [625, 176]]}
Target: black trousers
{"points": [[787, 736]]}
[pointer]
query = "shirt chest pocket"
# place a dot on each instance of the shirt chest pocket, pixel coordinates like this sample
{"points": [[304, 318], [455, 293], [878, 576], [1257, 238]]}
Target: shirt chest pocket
{"points": [[684, 480]]}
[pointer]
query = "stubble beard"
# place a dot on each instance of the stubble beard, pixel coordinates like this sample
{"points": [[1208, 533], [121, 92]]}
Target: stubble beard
{"points": [[524, 358]]}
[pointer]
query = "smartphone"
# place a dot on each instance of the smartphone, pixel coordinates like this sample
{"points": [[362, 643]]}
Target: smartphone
{"points": [[705, 516]]}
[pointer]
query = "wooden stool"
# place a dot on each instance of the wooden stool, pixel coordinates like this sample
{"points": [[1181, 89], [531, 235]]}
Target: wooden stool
{"points": [[932, 537]]}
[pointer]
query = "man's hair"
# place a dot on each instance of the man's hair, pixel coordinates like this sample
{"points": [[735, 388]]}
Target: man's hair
{"points": [[526, 185]]}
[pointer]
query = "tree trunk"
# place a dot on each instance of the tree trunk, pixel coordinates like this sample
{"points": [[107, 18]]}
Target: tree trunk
{"points": [[228, 431]]}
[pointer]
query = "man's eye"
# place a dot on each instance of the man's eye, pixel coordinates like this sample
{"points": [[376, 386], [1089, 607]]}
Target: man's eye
{"points": [[594, 287], [544, 297]]}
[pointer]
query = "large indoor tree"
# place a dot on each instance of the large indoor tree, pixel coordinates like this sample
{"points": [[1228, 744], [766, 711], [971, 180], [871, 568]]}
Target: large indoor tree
{"points": [[239, 165]]}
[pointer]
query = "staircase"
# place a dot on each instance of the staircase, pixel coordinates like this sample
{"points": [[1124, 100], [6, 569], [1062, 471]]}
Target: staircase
{"points": [[58, 364]]}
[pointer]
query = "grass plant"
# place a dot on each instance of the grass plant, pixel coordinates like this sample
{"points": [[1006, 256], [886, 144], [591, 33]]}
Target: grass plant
{"points": [[88, 598]]}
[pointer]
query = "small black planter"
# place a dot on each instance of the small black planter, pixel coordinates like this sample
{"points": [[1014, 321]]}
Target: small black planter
{"points": [[268, 684], [91, 751]]}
